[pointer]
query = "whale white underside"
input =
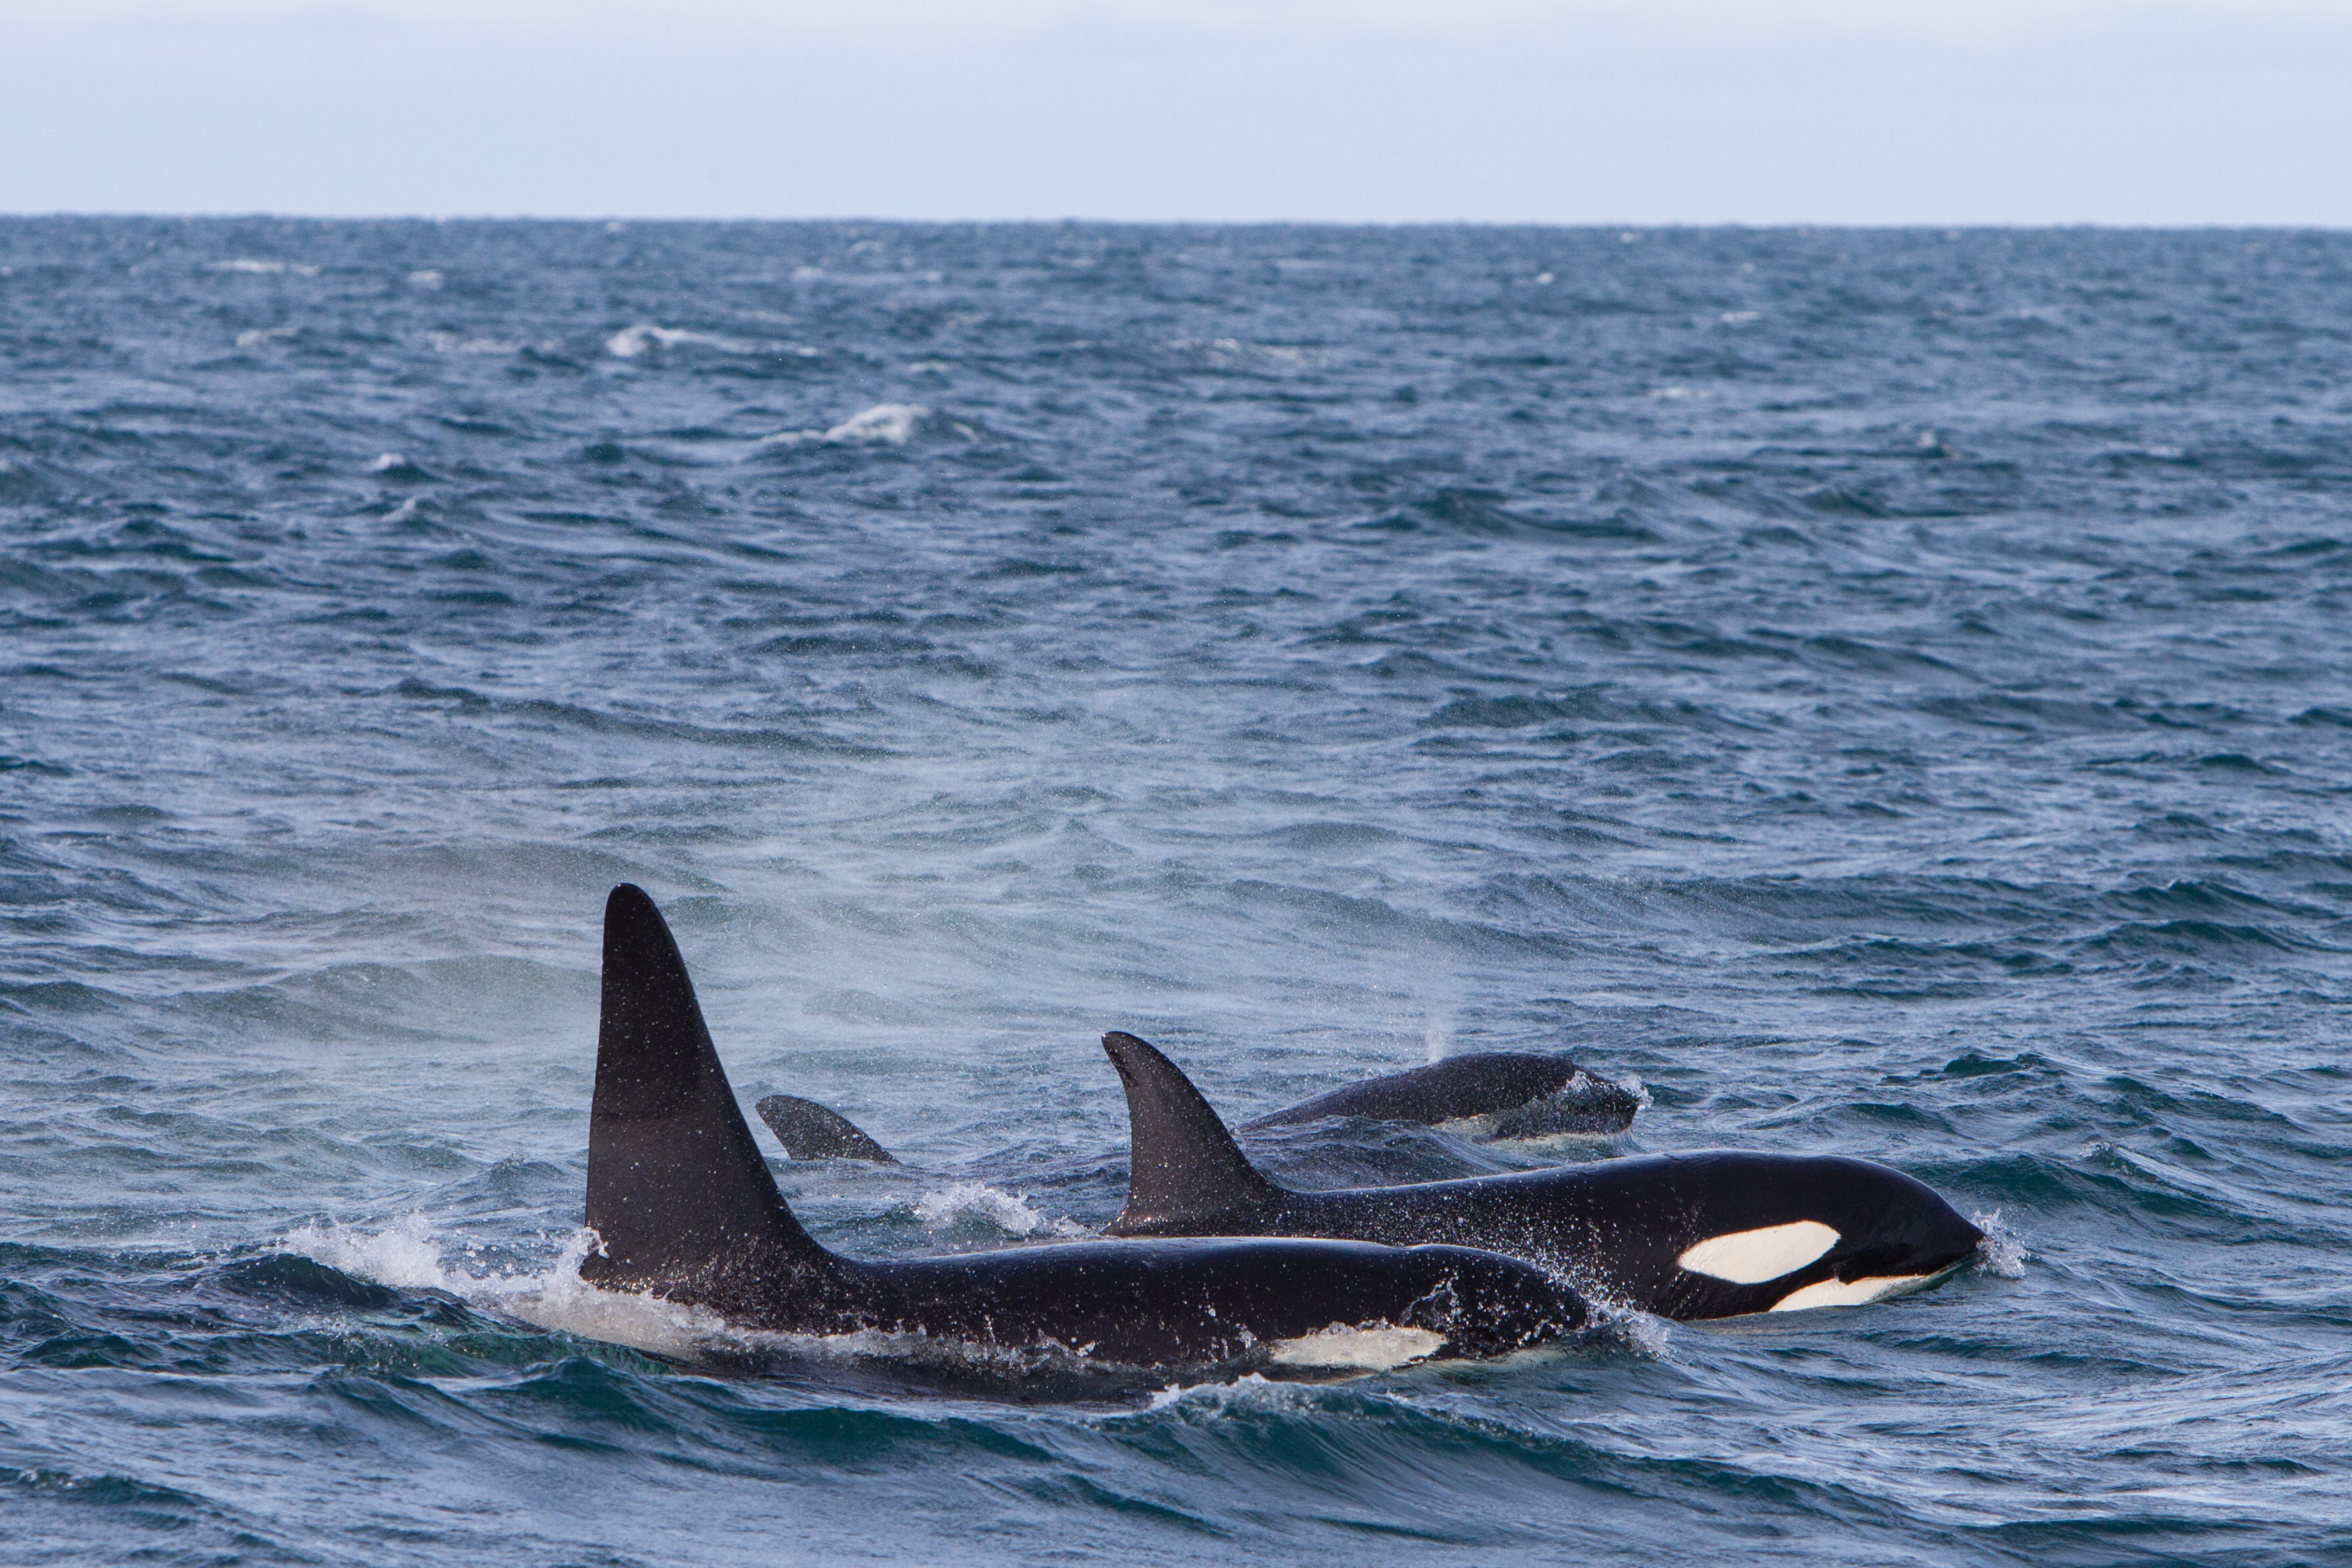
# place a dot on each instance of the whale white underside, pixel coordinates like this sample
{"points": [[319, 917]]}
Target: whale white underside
{"points": [[1369, 1348]]}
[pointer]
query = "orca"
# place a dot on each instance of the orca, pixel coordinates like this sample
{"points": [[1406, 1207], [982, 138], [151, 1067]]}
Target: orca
{"points": [[1492, 1094], [1512, 1094], [683, 1208], [1716, 1234]]}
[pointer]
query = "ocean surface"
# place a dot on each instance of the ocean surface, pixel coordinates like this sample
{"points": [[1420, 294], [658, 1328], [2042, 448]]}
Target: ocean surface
{"points": [[1889, 694]]}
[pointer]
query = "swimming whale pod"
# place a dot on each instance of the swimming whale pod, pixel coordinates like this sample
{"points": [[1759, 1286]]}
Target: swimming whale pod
{"points": [[1709, 1235], [683, 1208], [1501, 1094]]}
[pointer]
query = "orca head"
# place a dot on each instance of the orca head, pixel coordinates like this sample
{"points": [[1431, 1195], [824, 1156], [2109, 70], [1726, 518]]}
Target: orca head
{"points": [[1847, 1233]]}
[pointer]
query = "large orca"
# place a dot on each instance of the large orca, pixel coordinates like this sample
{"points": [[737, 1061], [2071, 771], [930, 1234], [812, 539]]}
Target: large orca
{"points": [[1710, 1234], [683, 1208], [1491, 1094]]}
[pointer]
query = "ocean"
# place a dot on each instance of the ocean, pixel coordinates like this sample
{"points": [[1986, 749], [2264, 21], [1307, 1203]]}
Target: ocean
{"points": [[1887, 693]]}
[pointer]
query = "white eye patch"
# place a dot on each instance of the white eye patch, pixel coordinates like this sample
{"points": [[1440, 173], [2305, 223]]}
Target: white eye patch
{"points": [[1752, 1257]]}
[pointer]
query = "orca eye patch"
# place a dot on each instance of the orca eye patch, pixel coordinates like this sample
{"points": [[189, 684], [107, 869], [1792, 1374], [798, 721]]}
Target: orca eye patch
{"points": [[1752, 1257]]}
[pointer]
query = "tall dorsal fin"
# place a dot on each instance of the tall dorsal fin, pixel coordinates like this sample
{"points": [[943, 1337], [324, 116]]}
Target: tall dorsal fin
{"points": [[679, 1193], [1182, 1162]]}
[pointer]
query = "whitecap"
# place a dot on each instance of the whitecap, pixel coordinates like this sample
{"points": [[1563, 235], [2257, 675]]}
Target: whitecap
{"points": [[260, 337], [891, 422], [885, 424], [251, 264], [631, 342]]}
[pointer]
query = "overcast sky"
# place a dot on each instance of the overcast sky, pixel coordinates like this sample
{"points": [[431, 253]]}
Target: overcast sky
{"points": [[2216, 112]]}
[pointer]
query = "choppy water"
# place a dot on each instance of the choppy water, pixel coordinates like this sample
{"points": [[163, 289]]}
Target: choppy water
{"points": [[1890, 693]]}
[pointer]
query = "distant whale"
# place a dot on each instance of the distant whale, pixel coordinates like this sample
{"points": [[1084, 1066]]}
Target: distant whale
{"points": [[1710, 1234], [1518, 1094], [1502, 1094], [683, 1208]]}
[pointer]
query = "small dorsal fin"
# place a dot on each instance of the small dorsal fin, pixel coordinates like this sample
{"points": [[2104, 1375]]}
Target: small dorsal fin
{"points": [[678, 1194], [812, 1131], [1182, 1162]]}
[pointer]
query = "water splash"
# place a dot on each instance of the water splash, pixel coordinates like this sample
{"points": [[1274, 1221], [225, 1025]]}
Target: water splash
{"points": [[976, 1204]]}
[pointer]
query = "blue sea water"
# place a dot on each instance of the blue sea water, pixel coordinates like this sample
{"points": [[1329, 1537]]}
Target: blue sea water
{"points": [[1890, 693]]}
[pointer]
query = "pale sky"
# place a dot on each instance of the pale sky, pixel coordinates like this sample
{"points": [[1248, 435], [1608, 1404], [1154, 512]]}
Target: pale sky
{"points": [[2212, 111]]}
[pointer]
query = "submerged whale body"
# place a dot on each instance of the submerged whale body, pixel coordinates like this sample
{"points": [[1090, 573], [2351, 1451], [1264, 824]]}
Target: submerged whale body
{"points": [[1711, 1235], [684, 1208], [1504, 1094]]}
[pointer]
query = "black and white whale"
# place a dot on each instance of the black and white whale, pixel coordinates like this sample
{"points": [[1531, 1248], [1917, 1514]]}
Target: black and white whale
{"points": [[684, 1208], [1710, 1234], [1489, 1094]]}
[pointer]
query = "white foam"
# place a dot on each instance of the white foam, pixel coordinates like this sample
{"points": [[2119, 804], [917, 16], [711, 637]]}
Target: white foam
{"points": [[259, 337], [631, 342], [1252, 1391], [1752, 1257], [1371, 1347], [2001, 1252], [408, 1255], [1645, 1332], [1008, 1212], [250, 264], [428, 278], [387, 462]]}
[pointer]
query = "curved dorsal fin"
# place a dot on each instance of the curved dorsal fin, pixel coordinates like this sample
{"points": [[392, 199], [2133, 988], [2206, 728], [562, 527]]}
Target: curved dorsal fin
{"points": [[678, 1194], [1183, 1163], [812, 1131]]}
